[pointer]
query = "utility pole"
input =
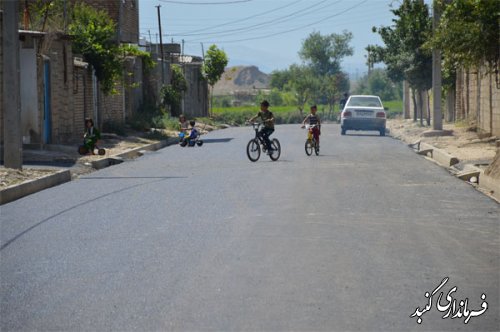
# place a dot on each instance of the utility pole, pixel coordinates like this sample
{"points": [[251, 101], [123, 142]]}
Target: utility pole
{"points": [[13, 148], [436, 73], [161, 47]]}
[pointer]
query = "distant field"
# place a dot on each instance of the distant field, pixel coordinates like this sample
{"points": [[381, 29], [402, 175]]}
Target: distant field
{"points": [[286, 114]]}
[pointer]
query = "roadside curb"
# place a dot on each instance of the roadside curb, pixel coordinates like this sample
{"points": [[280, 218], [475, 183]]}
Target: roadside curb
{"points": [[130, 154], [12, 193], [440, 156], [470, 173], [27, 188]]}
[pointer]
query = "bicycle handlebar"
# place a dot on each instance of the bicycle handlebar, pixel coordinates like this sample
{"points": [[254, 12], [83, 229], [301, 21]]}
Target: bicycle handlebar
{"points": [[310, 126]]}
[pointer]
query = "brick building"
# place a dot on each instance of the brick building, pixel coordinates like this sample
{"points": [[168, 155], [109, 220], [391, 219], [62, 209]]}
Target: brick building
{"points": [[59, 89], [195, 98]]}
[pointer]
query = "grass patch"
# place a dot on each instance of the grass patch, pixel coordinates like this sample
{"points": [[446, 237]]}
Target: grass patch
{"points": [[395, 108], [283, 114]]}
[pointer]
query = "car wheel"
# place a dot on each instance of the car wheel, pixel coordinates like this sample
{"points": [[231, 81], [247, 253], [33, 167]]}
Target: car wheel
{"points": [[382, 132], [343, 131]]}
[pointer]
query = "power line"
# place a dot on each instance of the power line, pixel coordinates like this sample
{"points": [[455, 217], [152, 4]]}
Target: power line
{"points": [[286, 31], [241, 20], [205, 3], [282, 19]]}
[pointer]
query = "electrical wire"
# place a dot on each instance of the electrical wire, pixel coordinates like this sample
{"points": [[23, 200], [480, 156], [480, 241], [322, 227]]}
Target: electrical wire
{"points": [[205, 3], [282, 19], [283, 32], [240, 20]]}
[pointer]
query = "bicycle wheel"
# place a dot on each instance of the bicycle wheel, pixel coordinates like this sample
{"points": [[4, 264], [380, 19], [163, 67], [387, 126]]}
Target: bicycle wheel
{"points": [[316, 147], [276, 152], [308, 147], [82, 150], [253, 150]]}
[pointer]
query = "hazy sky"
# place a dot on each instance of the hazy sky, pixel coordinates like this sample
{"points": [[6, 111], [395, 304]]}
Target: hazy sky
{"points": [[265, 33]]}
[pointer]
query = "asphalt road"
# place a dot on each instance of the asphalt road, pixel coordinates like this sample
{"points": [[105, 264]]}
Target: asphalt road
{"points": [[203, 239]]}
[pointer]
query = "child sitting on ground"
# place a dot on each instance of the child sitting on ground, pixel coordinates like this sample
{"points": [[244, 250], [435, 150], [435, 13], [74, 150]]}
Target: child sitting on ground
{"points": [[91, 136], [193, 134]]}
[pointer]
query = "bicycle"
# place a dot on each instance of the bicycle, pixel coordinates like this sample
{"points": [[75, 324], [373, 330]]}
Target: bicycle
{"points": [[256, 144], [311, 143], [185, 140]]}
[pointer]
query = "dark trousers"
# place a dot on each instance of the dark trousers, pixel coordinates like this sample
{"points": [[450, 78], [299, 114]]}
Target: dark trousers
{"points": [[265, 133]]}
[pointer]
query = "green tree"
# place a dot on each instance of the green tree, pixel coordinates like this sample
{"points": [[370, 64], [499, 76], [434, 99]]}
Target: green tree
{"points": [[215, 63], [377, 83], [304, 84], [404, 52], [46, 15], [172, 93], [279, 79], [325, 53], [332, 88], [94, 35], [468, 33]]}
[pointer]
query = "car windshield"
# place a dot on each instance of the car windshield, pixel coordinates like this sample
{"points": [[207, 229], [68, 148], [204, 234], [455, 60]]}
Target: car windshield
{"points": [[364, 101]]}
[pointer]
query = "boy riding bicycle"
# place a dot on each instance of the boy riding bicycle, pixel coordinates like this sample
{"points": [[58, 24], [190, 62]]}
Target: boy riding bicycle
{"points": [[313, 119], [267, 118]]}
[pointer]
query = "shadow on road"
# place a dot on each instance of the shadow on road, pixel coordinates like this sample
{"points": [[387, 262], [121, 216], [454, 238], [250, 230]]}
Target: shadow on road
{"points": [[217, 140], [130, 177], [364, 135], [40, 223]]}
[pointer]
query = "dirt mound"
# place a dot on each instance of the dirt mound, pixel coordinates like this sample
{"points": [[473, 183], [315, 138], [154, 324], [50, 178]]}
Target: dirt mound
{"points": [[493, 169], [241, 79]]}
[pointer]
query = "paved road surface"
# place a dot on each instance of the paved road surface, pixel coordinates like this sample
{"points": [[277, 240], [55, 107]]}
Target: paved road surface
{"points": [[202, 239]]}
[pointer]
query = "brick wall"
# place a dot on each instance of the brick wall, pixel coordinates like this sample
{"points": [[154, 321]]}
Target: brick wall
{"points": [[478, 100], [111, 107], [128, 23], [72, 96], [83, 101], [64, 121]]}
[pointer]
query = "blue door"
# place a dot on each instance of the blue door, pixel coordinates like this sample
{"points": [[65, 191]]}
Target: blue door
{"points": [[47, 116]]}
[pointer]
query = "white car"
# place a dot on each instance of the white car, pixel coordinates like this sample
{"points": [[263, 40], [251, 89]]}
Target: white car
{"points": [[362, 112]]}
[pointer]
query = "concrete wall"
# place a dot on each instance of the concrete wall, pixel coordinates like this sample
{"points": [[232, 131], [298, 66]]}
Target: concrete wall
{"points": [[196, 96], [133, 86], [30, 120], [478, 100]]}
